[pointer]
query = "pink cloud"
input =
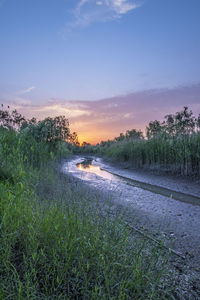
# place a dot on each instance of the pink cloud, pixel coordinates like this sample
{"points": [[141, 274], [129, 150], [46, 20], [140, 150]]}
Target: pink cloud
{"points": [[104, 119]]}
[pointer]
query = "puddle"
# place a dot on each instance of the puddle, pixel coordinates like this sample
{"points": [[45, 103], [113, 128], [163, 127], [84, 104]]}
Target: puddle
{"points": [[87, 166]]}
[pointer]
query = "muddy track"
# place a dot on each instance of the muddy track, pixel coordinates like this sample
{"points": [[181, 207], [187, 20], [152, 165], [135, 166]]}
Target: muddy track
{"points": [[161, 207]]}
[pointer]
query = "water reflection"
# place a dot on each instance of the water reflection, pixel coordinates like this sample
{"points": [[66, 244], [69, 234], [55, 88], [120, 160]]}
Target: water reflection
{"points": [[87, 166]]}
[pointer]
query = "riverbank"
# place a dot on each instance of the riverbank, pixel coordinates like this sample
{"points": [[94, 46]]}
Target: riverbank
{"points": [[74, 236], [59, 241], [174, 222], [154, 176]]}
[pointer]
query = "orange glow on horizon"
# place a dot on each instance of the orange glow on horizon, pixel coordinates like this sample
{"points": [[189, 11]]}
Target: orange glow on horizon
{"points": [[93, 139], [94, 136], [88, 139]]}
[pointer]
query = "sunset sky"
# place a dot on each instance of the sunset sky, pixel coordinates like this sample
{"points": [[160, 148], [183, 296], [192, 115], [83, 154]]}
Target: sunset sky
{"points": [[107, 65]]}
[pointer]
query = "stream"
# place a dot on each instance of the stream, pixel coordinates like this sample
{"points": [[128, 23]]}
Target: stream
{"points": [[164, 206]]}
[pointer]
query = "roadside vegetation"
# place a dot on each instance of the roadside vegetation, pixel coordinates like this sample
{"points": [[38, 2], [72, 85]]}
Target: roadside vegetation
{"points": [[172, 146], [56, 241]]}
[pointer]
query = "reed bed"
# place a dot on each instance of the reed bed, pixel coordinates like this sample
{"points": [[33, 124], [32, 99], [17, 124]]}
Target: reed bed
{"points": [[179, 155], [56, 244]]}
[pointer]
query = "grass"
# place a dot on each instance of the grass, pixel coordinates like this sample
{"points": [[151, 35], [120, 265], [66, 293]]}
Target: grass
{"points": [[58, 242], [178, 155]]}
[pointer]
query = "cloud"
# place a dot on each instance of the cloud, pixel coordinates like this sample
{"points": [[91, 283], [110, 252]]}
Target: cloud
{"points": [[105, 119], [21, 101], [28, 90], [99, 3], [92, 11], [122, 6], [9, 95], [71, 109]]}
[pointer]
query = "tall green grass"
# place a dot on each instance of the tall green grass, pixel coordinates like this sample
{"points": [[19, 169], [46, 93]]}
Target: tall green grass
{"points": [[57, 242], [178, 154], [172, 145]]}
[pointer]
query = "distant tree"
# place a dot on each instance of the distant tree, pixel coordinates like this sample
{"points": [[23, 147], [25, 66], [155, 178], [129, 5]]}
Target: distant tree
{"points": [[50, 130], [17, 119], [185, 121], [120, 138], [85, 144], [170, 125], [103, 143], [154, 129], [182, 122], [27, 123], [9, 119], [74, 139], [4, 118], [198, 122], [134, 134]]}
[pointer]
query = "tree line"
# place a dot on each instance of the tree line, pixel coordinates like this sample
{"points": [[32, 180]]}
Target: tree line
{"points": [[172, 145], [180, 123], [50, 130]]}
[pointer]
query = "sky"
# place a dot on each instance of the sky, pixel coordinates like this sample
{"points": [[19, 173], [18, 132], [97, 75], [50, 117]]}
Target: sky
{"points": [[108, 65]]}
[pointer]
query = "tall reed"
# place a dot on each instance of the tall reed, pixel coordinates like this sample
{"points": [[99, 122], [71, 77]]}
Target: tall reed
{"points": [[55, 243], [179, 154]]}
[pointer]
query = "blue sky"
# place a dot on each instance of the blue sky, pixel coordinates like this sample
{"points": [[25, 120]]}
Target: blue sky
{"points": [[95, 49], [71, 51]]}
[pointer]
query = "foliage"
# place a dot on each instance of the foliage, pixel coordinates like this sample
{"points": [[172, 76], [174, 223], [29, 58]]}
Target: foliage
{"points": [[181, 123], [130, 135], [154, 129], [51, 135], [50, 130], [10, 119], [172, 145], [176, 155], [74, 139], [55, 243]]}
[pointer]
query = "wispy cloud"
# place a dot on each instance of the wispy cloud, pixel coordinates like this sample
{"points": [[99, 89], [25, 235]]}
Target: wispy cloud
{"points": [[15, 97], [121, 7], [87, 12], [28, 90]]}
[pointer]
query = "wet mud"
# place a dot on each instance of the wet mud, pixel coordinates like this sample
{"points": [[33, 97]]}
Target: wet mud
{"points": [[165, 207], [87, 166]]}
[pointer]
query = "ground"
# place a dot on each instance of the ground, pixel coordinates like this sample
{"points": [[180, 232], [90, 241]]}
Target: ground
{"points": [[175, 222]]}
